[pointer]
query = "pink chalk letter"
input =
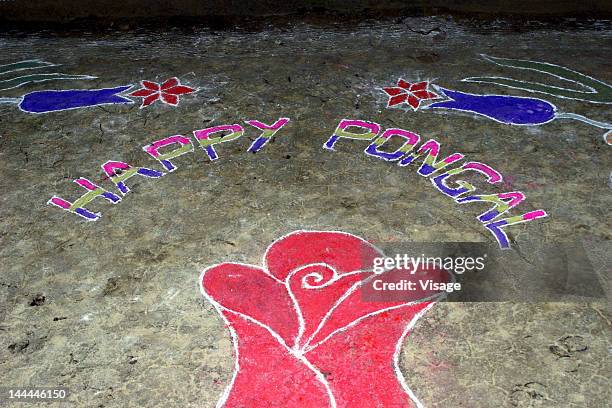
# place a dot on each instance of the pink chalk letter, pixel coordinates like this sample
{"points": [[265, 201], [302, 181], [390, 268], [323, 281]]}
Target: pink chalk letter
{"points": [[411, 139], [119, 172], [372, 129], [268, 131], [185, 146], [430, 164], [78, 207], [207, 142]]}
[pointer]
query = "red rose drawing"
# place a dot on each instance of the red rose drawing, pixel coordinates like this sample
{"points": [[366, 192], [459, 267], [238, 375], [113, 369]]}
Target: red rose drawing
{"points": [[303, 334]]}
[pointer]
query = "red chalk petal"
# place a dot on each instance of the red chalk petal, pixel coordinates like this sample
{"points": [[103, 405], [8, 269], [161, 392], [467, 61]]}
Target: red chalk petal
{"points": [[396, 100], [170, 83], [249, 290], [403, 84], [315, 299], [425, 95], [268, 375], [343, 252], [413, 101], [418, 86], [179, 90], [142, 92], [170, 99], [394, 91], [151, 85], [150, 99], [365, 300]]}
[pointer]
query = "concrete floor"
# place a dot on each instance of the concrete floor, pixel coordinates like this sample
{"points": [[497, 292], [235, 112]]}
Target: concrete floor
{"points": [[123, 323]]}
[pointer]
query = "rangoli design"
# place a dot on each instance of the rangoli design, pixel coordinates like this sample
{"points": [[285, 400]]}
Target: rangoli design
{"points": [[168, 92], [31, 78], [303, 334], [411, 94], [440, 171], [53, 100], [595, 91], [511, 110]]}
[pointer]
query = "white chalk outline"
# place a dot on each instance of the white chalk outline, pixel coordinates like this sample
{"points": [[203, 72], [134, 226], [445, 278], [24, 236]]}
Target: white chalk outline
{"points": [[334, 279], [592, 91], [395, 133], [69, 77], [47, 65], [98, 214], [275, 131], [331, 149], [294, 351]]}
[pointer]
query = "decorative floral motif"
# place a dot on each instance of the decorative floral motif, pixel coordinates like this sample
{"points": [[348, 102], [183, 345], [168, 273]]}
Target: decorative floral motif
{"points": [[304, 332], [54, 100], [168, 92], [410, 93], [511, 110]]}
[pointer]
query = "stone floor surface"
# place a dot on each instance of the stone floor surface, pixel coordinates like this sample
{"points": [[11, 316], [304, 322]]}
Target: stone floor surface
{"points": [[122, 322]]}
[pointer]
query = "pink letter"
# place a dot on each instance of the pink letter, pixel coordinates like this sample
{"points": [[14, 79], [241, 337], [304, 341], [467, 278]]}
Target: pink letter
{"points": [[493, 176], [78, 207], [373, 129], [207, 142], [496, 227], [503, 202], [411, 140], [267, 132], [153, 150], [431, 164], [119, 172]]}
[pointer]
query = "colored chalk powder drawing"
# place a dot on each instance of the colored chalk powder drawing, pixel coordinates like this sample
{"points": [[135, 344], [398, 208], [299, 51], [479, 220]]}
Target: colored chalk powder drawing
{"points": [[168, 92], [444, 173], [22, 80], [511, 110], [434, 167], [596, 91], [412, 94], [164, 151], [53, 100], [303, 334], [267, 132]]}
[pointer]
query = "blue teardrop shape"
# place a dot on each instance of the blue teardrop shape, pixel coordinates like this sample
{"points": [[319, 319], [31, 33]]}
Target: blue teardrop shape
{"points": [[502, 108], [50, 101]]}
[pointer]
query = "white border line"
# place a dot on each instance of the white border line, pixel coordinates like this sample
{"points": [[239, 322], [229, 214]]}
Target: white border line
{"points": [[592, 91], [47, 65]]}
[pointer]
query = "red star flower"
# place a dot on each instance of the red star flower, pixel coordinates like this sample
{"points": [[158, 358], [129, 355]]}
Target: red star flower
{"points": [[168, 92], [411, 93]]}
